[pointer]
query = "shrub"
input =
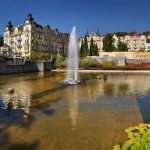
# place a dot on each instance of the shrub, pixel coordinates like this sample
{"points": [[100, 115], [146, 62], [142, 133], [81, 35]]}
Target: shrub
{"points": [[40, 56], [60, 62], [108, 64], [88, 63], [139, 138]]}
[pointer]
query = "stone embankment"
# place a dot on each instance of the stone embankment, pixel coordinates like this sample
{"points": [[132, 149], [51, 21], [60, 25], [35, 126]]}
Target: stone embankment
{"points": [[28, 66], [109, 71]]}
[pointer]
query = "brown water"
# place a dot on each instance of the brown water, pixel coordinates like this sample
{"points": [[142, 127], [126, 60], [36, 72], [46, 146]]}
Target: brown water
{"points": [[46, 115]]}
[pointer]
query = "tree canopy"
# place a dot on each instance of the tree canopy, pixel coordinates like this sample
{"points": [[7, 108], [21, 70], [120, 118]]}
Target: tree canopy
{"points": [[124, 33], [108, 43], [146, 33], [84, 50], [122, 47], [121, 33], [93, 48]]}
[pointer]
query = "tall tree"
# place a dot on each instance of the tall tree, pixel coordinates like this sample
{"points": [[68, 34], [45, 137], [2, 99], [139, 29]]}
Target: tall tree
{"points": [[96, 50], [82, 47], [122, 47], [85, 51], [108, 43], [91, 47], [1, 41]]}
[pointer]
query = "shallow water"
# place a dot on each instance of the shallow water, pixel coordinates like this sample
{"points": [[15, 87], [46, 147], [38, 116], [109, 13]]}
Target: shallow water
{"points": [[43, 114]]}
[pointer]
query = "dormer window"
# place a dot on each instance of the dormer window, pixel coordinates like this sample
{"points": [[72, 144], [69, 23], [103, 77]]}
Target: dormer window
{"points": [[27, 22]]}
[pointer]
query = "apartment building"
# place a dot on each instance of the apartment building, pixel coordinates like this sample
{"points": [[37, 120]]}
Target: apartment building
{"points": [[30, 37], [135, 42]]}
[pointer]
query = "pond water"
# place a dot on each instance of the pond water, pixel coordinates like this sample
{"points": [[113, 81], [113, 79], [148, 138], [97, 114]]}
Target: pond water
{"points": [[43, 114]]}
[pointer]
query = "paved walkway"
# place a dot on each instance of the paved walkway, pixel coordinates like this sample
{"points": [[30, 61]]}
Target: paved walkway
{"points": [[109, 71]]}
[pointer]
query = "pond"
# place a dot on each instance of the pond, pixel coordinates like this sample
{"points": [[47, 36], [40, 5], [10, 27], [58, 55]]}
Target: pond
{"points": [[43, 114]]}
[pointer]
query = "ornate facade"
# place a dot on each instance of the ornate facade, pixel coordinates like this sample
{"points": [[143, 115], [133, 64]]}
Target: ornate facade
{"points": [[135, 42], [30, 38]]}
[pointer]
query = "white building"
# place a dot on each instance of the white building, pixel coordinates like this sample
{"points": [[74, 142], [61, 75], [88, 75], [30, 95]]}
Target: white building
{"points": [[135, 42]]}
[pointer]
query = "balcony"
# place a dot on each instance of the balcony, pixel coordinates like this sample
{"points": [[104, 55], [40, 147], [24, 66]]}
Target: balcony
{"points": [[19, 45]]}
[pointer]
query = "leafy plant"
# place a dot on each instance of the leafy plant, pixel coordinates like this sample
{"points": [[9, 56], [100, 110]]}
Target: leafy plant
{"points": [[139, 138], [60, 62]]}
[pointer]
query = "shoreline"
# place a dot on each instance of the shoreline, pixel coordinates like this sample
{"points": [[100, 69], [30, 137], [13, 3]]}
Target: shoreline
{"points": [[108, 71]]}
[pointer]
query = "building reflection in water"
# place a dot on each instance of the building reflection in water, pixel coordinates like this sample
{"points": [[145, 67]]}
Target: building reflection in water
{"points": [[72, 96], [116, 85], [20, 99]]}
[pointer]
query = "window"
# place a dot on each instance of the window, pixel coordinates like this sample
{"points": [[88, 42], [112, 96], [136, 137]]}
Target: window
{"points": [[26, 49]]}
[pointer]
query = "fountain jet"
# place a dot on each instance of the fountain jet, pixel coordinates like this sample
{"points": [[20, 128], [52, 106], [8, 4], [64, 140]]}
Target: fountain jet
{"points": [[72, 60]]}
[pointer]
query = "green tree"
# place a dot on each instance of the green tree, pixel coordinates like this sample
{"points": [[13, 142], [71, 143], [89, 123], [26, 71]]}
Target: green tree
{"points": [[85, 50], [108, 43], [146, 33], [96, 50], [82, 47], [125, 33], [121, 33], [93, 48], [122, 46], [1, 41]]}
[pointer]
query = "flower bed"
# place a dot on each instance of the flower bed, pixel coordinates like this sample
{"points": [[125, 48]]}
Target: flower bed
{"points": [[139, 138]]}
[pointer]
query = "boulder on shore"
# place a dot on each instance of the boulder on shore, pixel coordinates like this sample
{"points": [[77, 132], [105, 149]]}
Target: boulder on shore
{"points": [[10, 90]]}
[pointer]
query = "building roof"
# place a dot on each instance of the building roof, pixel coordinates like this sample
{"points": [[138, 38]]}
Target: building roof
{"points": [[9, 25]]}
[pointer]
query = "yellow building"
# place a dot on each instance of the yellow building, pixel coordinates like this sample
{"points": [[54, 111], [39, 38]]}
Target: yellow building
{"points": [[30, 38]]}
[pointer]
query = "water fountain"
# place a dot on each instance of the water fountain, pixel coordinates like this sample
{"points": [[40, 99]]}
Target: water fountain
{"points": [[73, 62]]}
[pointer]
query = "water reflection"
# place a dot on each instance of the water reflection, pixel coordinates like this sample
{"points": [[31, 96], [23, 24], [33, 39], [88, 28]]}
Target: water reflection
{"points": [[122, 89], [90, 116], [109, 89], [117, 85], [20, 99], [105, 78], [144, 106], [73, 99]]}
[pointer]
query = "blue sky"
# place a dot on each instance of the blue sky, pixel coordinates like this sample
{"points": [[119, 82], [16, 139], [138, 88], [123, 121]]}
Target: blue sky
{"points": [[107, 15]]}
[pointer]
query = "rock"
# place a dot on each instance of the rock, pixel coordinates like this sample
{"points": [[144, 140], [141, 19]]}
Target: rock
{"points": [[10, 91]]}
